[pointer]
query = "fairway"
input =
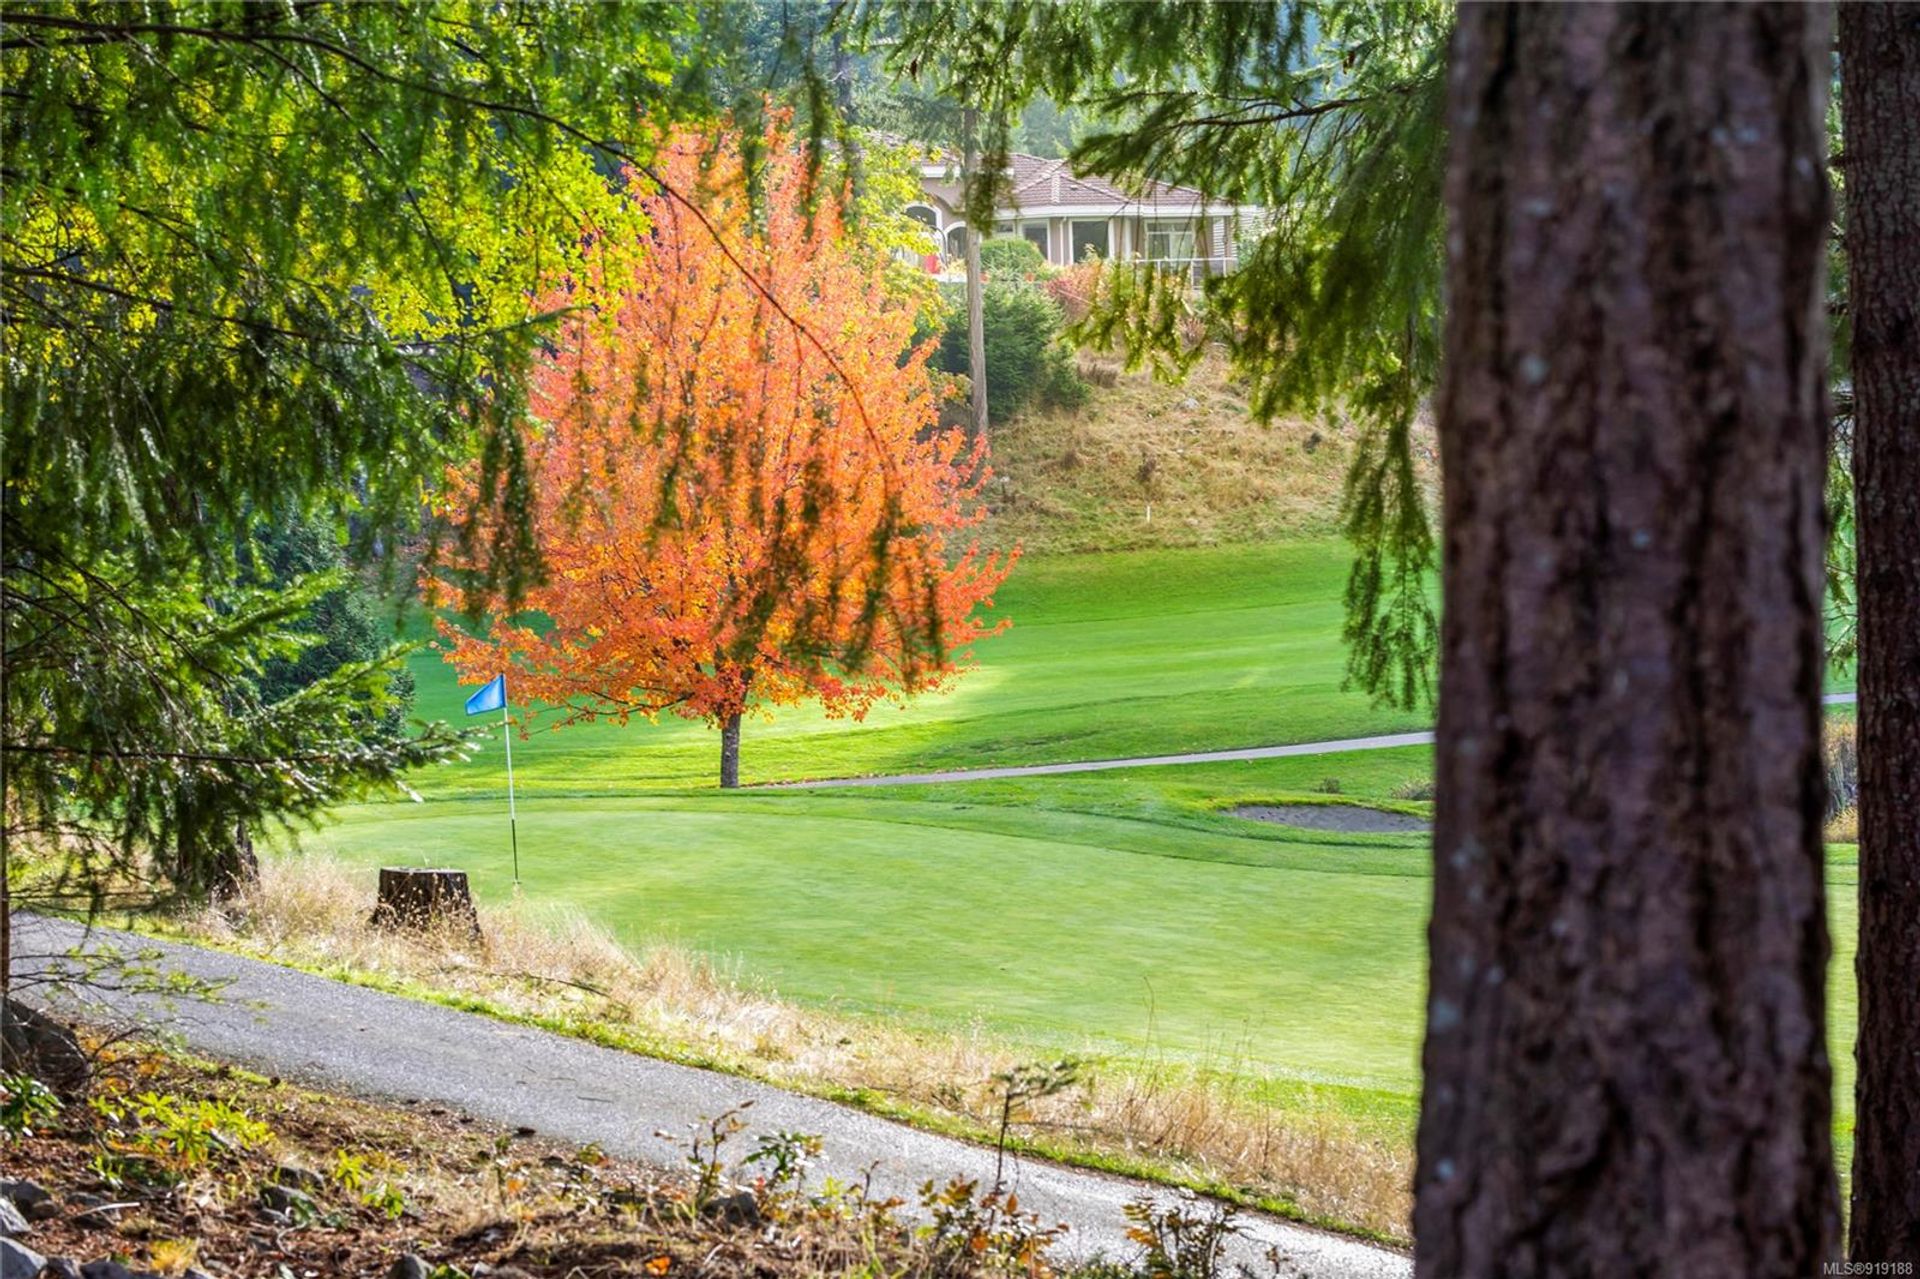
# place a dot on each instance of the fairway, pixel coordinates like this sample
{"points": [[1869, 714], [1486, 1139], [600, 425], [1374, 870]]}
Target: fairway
{"points": [[1076, 934], [1105, 913], [1135, 653], [1121, 912]]}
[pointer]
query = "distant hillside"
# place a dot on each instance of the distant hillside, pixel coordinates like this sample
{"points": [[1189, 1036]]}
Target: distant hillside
{"points": [[1147, 464]]}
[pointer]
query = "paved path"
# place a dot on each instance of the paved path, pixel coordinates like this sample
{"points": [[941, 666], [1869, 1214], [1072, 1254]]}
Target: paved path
{"points": [[1336, 747], [349, 1039]]}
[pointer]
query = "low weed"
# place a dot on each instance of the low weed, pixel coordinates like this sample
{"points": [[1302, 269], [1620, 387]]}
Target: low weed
{"points": [[372, 1178], [1184, 1239], [172, 1256], [973, 1232], [25, 1103], [162, 1136]]}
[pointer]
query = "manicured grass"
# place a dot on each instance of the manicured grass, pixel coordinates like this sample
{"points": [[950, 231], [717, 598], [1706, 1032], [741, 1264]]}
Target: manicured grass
{"points": [[1055, 934], [1120, 917], [1111, 912], [1109, 655], [1115, 912]]}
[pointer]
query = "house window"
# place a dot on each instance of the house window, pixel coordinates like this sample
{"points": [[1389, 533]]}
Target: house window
{"points": [[1171, 242], [1036, 233], [1091, 237]]}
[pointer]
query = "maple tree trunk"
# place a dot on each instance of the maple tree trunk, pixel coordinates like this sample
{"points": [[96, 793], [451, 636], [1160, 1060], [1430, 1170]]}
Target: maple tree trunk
{"points": [[976, 286], [730, 752], [1625, 1060], [1880, 104]]}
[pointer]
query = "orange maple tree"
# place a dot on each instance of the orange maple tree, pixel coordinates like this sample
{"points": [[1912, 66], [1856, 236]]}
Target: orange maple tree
{"points": [[742, 495]]}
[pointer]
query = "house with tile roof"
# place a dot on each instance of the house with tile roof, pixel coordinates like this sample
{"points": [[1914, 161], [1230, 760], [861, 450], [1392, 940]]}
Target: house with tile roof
{"points": [[1068, 216]]}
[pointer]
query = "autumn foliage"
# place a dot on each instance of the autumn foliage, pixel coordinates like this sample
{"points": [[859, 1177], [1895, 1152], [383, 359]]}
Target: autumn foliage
{"points": [[741, 495]]}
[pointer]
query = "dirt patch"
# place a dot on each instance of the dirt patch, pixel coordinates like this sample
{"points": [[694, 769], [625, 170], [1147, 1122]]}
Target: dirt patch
{"points": [[1349, 819]]}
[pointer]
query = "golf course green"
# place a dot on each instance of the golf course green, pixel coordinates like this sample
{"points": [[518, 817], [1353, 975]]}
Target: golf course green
{"points": [[1123, 912]]}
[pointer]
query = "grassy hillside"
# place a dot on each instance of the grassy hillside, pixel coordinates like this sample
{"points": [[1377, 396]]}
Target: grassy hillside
{"points": [[1145, 464], [1057, 922], [1122, 913]]}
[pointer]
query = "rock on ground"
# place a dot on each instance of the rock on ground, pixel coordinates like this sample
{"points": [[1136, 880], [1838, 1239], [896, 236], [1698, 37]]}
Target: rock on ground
{"points": [[17, 1261]]}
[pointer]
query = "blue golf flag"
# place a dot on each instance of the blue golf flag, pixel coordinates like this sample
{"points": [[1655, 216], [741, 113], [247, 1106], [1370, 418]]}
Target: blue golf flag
{"points": [[492, 696]]}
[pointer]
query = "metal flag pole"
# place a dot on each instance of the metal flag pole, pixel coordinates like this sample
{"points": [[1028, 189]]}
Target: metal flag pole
{"points": [[513, 817]]}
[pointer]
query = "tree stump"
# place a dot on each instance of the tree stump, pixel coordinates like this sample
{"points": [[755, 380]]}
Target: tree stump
{"points": [[422, 899]]}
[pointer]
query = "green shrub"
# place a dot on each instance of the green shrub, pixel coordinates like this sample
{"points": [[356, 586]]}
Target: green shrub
{"points": [[1011, 255], [24, 1103], [1028, 366]]}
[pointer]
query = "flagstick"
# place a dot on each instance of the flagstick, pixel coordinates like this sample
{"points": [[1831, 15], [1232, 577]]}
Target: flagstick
{"points": [[513, 817]]}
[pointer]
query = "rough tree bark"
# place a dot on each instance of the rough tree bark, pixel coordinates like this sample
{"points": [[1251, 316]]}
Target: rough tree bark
{"points": [[1626, 1068], [976, 283], [730, 752], [1880, 105]]}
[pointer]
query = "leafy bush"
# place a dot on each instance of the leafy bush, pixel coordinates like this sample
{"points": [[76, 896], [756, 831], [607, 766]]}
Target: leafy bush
{"points": [[25, 1102], [1841, 753], [1011, 255], [1076, 288], [1186, 1239], [1028, 365]]}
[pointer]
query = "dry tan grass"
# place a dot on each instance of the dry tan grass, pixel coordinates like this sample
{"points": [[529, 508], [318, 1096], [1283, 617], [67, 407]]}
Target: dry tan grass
{"points": [[557, 965], [1148, 464], [1841, 757]]}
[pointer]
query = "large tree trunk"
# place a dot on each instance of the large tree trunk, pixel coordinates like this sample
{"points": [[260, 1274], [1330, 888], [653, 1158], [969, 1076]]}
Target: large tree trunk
{"points": [[1880, 101], [976, 284], [1626, 1068], [730, 752]]}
